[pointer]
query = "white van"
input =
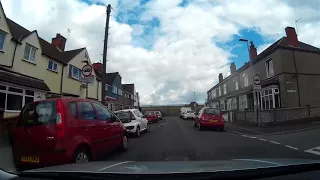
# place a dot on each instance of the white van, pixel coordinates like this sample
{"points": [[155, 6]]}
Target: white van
{"points": [[184, 109]]}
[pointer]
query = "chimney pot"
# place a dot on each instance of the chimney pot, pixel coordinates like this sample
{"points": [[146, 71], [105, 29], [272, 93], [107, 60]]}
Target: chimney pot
{"points": [[59, 41], [292, 37], [220, 78]]}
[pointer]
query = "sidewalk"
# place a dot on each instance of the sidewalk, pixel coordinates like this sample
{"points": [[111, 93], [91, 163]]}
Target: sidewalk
{"points": [[280, 129]]}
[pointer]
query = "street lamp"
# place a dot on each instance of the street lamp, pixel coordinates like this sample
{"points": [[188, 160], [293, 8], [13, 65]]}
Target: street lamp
{"points": [[245, 40]]}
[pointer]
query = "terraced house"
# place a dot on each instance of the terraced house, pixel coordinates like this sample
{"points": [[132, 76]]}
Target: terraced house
{"points": [[289, 73], [33, 69]]}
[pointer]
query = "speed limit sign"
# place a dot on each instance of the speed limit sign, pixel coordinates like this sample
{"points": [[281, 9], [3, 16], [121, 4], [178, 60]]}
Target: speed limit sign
{"points": [[86, 70]]}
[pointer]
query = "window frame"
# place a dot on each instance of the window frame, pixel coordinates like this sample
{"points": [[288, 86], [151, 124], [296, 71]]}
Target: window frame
{"points": [[267, 64], [29, 54], [70, 74], [53, 63], [114, 89], [225, 89], [4, 40], [245, 79], [23, 95]]}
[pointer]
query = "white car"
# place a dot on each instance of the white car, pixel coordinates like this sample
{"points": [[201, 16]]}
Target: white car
{"points": [[189, 114], [133, 120]]}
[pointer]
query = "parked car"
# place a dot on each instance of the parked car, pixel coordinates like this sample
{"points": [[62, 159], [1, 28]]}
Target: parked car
{"points": [[209, 117], [151, 116], [183, 110], [134, 121], [65, 130], [159, 115], [189, 114]]}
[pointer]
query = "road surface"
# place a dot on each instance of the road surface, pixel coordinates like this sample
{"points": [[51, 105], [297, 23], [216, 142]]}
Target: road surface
{"points": [[174, 139]]}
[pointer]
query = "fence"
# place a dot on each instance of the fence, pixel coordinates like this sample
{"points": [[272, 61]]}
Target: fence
{"points": [[278, 116]]}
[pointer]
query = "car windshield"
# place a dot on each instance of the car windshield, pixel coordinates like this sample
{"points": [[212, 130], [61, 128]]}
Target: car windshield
{"points": [[123, 116], [158, 86]]}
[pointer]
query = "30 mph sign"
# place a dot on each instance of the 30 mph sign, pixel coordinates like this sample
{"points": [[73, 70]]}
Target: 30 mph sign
{"points": [[86, 70]]}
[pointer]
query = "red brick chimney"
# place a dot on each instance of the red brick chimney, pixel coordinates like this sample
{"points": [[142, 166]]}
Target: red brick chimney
{"points": [[253, 52], [292, 38], [97, 67], [59, 41]]}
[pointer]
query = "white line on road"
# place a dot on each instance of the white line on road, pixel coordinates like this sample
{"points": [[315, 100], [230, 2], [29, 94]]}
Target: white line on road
{"points": [[274, 142], [291, 147], [262, 139], [252, 137], [257, 160], [113, 165], [244, 135], [315, 150]]}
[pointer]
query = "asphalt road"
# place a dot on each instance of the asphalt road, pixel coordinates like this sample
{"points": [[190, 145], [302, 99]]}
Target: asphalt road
{"points": [[174, 139]]}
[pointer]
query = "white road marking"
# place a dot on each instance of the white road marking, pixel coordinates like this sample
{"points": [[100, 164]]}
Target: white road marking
{"points": [[274, 142], [262, 139], [315, 150], [252, 137], [244, 135], [291, 147], [257, 160], [113, 165]]}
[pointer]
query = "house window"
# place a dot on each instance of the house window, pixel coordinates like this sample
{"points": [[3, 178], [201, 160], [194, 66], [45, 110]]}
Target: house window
{"points": [[225, 89], [229, 107], [222, 105], [245, 80], [234, 103], [13, 99], [243, 102], [114, 89], [53, 66], [120, 92], [237, 85], [209, 95], [131, 96], [270, 99], [214, 93], [2, 39], [269, 68], [106, 87], [219, 89], [74, 72], [29, 53]]}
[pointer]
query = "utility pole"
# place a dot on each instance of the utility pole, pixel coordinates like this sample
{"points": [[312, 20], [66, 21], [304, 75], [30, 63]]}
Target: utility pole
{"points": [[104, 61]]}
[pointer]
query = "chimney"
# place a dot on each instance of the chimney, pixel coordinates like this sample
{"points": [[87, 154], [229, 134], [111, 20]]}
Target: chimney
{"points": [[220, 78], [292, 37], [253, 52], [233, 68], [59, 41], [97, 67]]}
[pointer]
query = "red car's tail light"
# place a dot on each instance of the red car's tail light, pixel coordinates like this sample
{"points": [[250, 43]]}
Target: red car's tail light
{"points": [[60, 120]]}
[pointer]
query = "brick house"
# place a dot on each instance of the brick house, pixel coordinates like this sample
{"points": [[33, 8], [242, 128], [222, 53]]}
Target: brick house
{"points": [[289, 73]]}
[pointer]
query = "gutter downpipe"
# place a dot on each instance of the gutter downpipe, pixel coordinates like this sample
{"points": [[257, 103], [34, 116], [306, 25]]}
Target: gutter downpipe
{"points": [[296, 75]]}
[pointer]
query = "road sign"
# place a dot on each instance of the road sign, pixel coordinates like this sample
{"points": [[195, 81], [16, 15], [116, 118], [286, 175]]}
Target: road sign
{"points": [[256, 87], [87, 79], [87, 70], [256, 80]]}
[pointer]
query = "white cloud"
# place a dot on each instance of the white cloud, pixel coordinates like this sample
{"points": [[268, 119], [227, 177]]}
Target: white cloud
{"points": [[184, 57]]}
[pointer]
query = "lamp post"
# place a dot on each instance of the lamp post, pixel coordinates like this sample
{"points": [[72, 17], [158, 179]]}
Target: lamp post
{"points": [[255, 92]]}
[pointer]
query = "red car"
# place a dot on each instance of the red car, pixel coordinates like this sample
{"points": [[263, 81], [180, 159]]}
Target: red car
{"points": [[209, 117], [151, 116], [65, 130]]}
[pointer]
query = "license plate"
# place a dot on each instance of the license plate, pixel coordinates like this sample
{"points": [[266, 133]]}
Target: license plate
{"points": [[32, 159], [213, 120]]}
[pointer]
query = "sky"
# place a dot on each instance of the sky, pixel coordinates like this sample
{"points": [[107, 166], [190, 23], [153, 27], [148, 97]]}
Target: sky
{"points": [[170, 49]]}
